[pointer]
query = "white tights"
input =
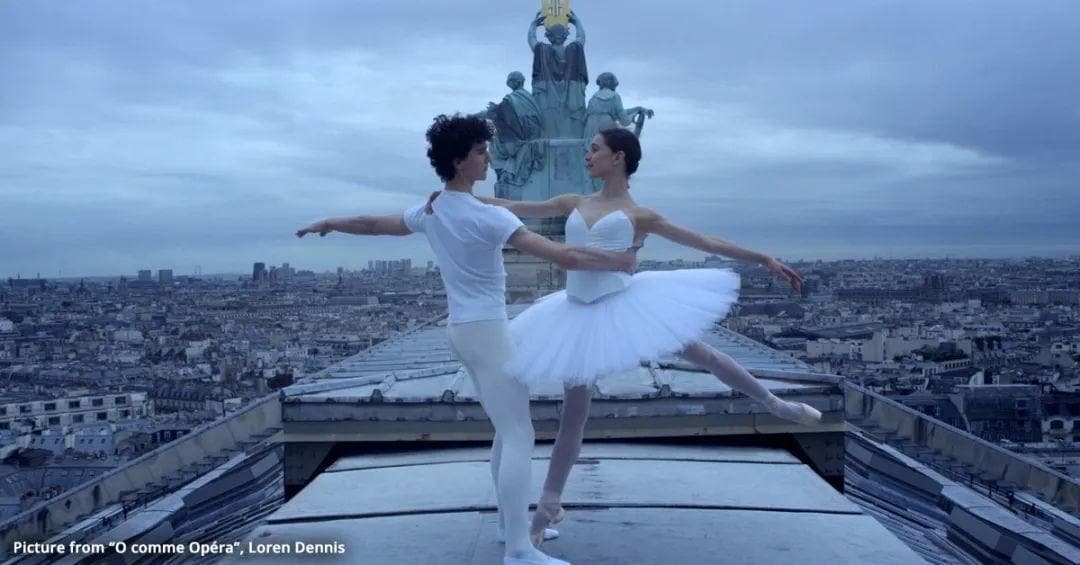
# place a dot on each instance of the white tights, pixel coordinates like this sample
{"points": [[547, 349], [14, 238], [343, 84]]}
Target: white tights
{"points": [[483, 348]]}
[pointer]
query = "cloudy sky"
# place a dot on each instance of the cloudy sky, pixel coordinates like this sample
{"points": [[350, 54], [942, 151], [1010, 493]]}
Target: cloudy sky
{"points": [[174, 134]]}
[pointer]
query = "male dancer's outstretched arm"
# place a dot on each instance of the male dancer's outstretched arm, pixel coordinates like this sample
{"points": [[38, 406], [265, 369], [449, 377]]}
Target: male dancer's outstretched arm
{"points": [[358, 225], [565, 256], [572, 258]]}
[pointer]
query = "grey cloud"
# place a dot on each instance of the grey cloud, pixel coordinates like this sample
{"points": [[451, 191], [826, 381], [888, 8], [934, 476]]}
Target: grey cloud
{"points": [[206, 131]]}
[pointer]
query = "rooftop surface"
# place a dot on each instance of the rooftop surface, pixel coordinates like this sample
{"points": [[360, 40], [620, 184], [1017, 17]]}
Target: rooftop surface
{"points": [[410, 388], [640, 503], [427, 347], [414, 377]]}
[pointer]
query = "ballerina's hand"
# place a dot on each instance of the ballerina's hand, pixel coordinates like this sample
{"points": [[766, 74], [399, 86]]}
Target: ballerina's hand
{"points": [[431, 200], [318, 227], [631, 251], [630, 261], [786, 273]]}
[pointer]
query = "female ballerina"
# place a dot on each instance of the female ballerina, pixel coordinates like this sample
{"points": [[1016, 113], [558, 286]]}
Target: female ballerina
{"points": [[608, 322]]}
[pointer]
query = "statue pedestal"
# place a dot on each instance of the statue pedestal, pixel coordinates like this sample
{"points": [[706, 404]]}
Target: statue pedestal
{"points": [[563, 173], [528, 277]]}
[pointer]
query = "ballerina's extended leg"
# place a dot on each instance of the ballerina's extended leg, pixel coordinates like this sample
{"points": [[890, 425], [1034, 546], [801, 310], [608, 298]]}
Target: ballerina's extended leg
{"points": [[734, 375]]}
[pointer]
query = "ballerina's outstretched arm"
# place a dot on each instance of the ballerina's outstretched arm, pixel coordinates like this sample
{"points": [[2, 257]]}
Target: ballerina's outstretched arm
{"points": [[652, 222], [560, 205]]}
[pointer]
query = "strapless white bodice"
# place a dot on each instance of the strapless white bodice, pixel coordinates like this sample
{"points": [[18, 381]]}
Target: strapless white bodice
{"points": [[613, 232]]}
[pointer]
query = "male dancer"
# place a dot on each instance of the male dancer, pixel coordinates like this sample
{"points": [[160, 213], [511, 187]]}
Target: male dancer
{"points": [[467, 237]]}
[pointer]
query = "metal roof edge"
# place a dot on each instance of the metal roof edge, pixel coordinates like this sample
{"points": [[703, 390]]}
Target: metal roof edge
{"points": [[348, 382]]}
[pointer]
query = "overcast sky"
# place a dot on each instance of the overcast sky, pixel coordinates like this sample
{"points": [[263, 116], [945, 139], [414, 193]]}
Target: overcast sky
{"points": [[174, 134]]}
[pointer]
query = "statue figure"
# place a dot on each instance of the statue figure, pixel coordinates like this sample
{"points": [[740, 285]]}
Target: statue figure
{"points": [[515, 152], [605, 109], [559, 78]]}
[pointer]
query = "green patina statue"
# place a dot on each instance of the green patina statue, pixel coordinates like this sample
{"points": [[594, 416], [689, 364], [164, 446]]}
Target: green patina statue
{"points": [[539, 150]]}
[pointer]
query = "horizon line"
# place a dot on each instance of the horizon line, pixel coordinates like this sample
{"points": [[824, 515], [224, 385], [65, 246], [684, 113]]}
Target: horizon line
{"points": [[793, 260]]}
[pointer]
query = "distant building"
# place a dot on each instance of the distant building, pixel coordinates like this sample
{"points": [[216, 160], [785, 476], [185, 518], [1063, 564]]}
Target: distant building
{"points": [[146, 276], [52, 442], [128, 336], [934, 286], [1061, 416], [181, 400], [56, 413], [997, 412], [27, 283], [258, 272], [1065, 296], [394, 267], [1043, 297], [718, 262], [877, 295], [341, 345], [94, 440], [165, 276], [938, 406]]}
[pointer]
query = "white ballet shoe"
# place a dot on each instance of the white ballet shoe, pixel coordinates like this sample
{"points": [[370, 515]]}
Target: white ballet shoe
{"points": [[549, 534], [536, 558]]}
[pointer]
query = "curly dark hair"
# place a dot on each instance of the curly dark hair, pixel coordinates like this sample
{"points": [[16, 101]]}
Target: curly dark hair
{"points": [[619, 139], [451, 138]]}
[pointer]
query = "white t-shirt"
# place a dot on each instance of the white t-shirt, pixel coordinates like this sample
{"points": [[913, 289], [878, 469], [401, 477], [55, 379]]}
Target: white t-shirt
{"points": [[467, 237]]}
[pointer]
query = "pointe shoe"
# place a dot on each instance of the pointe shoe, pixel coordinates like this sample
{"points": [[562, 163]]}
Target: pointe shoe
{"points": [[797, 412], [536, 558], [549, 534], [548, 514], [806, 415]]}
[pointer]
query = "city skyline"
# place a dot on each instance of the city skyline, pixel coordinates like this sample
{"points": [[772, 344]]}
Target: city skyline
{"points": [[839, 131], [420, 263]]}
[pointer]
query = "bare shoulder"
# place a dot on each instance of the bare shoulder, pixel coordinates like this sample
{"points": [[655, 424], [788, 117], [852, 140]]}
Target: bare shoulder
{"points": [[645, 218], [567, 202]]}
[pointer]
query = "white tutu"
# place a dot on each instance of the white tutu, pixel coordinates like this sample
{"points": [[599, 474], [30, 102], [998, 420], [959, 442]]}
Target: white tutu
{"points": [[559, 339]]}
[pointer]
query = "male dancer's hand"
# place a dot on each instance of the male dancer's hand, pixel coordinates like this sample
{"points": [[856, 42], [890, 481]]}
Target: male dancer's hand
{"points": [[787, 273], [319, 227]]}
